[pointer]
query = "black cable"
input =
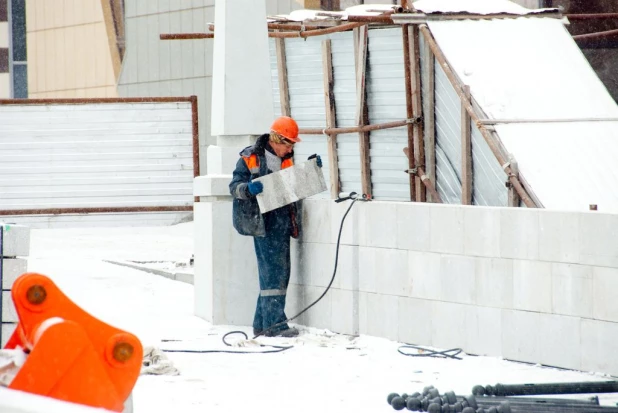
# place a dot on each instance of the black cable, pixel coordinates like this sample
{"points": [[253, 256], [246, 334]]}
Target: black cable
{"points": [[278, 349], [451, 353]]}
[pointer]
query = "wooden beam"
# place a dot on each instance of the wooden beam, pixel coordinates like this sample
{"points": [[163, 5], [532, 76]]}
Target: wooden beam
{"points": [[429, 117], [466, 152], [331, 119], [361, 109], [407, 69], [282, 72], [417, 107]]}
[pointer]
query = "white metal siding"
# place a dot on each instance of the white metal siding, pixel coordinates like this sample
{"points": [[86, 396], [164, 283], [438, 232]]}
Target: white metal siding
{"points": [[96, 155], [386, 101], [489, 178], [448, 139]]}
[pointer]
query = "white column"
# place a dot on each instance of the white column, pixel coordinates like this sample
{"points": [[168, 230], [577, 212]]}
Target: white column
{"points": [[226, 285]]}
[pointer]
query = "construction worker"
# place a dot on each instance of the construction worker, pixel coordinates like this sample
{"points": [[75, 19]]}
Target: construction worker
{"points": [[271, 231]]}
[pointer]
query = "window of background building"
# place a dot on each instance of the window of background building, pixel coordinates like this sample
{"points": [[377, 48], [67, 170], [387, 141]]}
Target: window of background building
{"points": [[18, 58]]}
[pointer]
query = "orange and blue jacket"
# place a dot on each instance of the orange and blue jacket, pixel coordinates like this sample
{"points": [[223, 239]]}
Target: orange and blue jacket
{"points": [[247, 218]]}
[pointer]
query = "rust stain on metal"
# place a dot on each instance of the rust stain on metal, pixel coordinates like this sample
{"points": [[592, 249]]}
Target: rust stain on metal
{"points": [[94, 210], [78, 101]]}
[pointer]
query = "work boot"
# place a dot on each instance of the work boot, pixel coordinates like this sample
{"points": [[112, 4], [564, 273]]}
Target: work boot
{"points": [[288, 332]]}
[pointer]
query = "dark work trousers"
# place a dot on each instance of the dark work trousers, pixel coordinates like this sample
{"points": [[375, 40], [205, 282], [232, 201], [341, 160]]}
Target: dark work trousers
{"points": [[273, 258]]}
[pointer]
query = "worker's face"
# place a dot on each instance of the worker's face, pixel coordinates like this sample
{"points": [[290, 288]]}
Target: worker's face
{"points": [[282, 149]]}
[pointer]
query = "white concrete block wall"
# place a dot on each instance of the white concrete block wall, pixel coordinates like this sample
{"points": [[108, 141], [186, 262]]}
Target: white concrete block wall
{"points": [[529, 285]]}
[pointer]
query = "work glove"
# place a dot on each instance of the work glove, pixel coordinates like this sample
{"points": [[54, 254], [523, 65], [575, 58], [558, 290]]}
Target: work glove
{"points": [[318, 159], [255, 188]]}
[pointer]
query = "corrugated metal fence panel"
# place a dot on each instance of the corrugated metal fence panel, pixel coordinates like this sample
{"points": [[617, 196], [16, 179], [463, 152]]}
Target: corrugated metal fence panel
{"points": [[348, 150], [306, 90], [96, 155], [386, 101], [274, 74], [448, 139], [488, 176]]}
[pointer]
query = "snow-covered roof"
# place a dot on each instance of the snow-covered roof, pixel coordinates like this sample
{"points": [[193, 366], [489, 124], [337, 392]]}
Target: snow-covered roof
{"points": [[530, 69], [471, 6]]}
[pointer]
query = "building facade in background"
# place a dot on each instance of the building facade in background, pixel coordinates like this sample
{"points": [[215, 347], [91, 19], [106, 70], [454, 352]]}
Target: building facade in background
{"points": [[13, 50], [69, 50]]}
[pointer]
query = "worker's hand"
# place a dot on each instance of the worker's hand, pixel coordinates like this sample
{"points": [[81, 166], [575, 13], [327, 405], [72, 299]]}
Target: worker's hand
{"points": [[318, 159], [255, 188]]}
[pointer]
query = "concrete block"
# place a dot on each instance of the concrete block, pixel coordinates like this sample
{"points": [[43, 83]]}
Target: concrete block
{"points": [[6, 332], [8, 309], [598, 233], [448, 324], [392, 274], [227, 265], [382, 316], [294, 302], [235, 306], [321, 314], [559, 236], [541, 338], [457, 279], [481, 231], [351, 229], [281, 188], [605, 285], [483, 328], [299, 273], [347, 277], [424, 269], [344, 311], [11, 269], [16, 241], [447, 229], [368, 270], [212, 185], [494, 282], [362, 312], [415, 319], [572, 290], [532, 289], [316, 221], [318, 260], [598, 346], [378, 224], [519, 233], [414, 227]]}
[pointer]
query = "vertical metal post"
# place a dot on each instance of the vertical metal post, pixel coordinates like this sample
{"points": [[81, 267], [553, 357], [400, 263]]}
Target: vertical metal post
{"points": [[409, 109], [361, 108], [331, 119], [282, 76], [429, 114], [417, 107]]}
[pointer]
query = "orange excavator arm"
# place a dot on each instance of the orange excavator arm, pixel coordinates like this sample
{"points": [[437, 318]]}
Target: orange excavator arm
{"points": [[72, 356]]}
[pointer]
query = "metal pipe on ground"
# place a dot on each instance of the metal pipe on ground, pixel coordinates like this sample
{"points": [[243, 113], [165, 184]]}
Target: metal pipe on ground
{"points": [[547, 388]]}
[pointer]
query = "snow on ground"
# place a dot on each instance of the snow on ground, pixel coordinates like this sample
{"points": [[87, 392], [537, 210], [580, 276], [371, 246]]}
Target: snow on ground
{"points": [[324, 372]]}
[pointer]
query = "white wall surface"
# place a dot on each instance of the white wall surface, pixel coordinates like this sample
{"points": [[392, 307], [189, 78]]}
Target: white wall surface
{"points": [[524, 284]]}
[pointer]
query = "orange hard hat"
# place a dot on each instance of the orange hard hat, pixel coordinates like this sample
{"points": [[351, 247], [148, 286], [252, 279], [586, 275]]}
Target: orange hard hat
{"points": [[286, 127]]}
